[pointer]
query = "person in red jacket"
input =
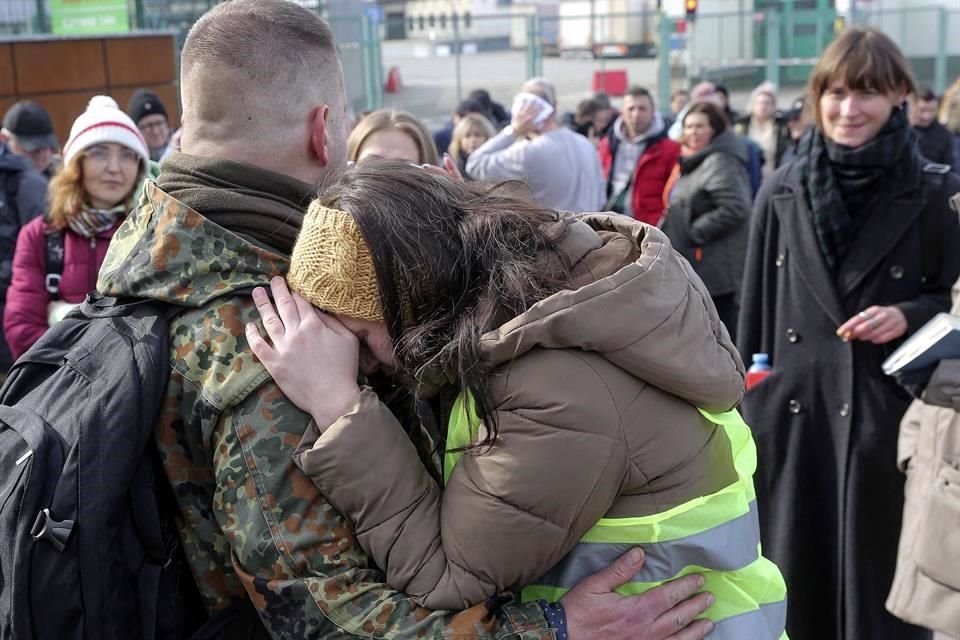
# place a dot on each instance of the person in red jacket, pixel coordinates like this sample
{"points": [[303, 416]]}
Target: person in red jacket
{"points": [[104, 160], [637, 158]]}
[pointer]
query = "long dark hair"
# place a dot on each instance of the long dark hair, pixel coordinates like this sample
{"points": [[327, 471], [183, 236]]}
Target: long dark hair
{"points": [[453, 261]]}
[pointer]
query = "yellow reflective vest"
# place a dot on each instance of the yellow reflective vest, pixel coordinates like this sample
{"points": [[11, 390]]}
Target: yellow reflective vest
{"points": [[716, 535]]}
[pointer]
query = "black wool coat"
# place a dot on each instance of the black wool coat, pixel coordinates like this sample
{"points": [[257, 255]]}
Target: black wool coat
{"points": [[826, 420]]}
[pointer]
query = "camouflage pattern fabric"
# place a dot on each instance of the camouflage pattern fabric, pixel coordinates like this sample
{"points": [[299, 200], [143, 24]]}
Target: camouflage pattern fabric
{"points": [[250, 520]]}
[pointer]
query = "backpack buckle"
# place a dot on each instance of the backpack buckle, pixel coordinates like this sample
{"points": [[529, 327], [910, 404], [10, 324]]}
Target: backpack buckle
{"points": [[56, 532], [52, 283]]}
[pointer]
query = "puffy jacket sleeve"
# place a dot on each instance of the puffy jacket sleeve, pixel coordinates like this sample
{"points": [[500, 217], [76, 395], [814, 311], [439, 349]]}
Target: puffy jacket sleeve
{"points": [[507, 515], [25, 315], [910, 426], [726, 185], [291, 551]]}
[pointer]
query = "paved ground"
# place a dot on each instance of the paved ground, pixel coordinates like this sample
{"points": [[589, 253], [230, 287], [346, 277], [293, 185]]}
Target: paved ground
{"points": [[429, 82]]}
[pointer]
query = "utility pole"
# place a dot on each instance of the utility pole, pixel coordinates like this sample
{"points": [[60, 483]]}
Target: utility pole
{"points": [[593, 22], [41, 17]]}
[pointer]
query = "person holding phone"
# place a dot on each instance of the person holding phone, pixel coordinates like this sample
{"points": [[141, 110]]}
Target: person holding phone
{"points": [[560, 167]]}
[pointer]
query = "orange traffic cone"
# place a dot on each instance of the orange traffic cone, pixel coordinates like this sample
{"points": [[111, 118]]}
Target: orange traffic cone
{"points": [[393, 84]]}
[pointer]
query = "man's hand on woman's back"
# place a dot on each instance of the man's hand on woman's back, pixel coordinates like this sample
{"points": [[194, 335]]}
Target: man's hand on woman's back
{"points": [[668, 612]]}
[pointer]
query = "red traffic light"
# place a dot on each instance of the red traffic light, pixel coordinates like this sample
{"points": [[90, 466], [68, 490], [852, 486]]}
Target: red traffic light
{"points": [[691, 7]]}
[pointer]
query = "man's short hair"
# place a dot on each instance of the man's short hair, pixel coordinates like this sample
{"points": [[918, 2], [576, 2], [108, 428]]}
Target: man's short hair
{"points": [[472, 105], [926, 94], [703, 90], [601, 98], [588, 107], [543, 88], [637, 91], [679, 92], [270, 40]]}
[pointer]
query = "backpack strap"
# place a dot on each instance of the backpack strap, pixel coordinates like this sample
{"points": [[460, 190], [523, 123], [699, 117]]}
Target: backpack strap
{"points": [[54, 248]]}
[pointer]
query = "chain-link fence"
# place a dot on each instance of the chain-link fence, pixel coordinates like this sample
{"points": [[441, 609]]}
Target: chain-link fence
{"points": [[357, 32]]}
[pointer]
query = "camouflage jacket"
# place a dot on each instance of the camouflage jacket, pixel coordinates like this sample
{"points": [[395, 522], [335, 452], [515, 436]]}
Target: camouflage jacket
{"points": [[250, 520]]}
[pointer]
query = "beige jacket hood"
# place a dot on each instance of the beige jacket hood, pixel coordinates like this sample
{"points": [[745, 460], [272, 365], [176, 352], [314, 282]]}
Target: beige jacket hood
{"points": [[640, 306]]}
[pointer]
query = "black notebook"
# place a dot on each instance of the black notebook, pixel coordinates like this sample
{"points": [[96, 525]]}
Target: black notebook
{"points": [[937, 340]]}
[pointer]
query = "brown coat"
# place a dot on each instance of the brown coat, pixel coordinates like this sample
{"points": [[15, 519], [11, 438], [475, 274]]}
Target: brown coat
{"points": [[926, 587], [595, 390]]}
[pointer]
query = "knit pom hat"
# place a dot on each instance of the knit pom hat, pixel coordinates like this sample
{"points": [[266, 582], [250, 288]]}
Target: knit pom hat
{"points": [[145, 103], [103, 121], [331, 265]]}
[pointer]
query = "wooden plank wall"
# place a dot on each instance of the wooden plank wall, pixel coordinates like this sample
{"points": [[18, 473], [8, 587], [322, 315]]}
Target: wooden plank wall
{"points": [[63, 74]]}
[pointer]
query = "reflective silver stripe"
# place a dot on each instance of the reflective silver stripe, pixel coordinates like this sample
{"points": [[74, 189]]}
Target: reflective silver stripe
{"points": [[767, 623], [727, 547]]}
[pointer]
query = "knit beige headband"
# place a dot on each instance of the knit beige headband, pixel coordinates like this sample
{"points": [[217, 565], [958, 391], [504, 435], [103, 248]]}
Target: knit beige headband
{"points": [[331, 265]]}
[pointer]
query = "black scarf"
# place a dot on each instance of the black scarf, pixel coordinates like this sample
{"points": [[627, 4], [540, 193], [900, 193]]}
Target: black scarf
{"points": [[842, 183], [260, 206]]}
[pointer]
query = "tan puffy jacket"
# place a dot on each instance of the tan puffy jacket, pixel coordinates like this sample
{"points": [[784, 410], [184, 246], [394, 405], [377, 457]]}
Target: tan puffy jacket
{"points": [[595, 390], [926, 586]]}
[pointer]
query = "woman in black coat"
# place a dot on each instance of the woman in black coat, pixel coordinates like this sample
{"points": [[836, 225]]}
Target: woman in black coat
{"points": [[853, 246], [709, 205]]}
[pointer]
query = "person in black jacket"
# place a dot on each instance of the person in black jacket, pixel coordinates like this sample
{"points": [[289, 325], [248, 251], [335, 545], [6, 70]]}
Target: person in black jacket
{"points": [[23, 197], [936, 143], [709, 205], [852, 248]]}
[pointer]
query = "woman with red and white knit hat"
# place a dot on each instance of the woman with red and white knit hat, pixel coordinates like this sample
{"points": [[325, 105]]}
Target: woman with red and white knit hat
{"points": [[104, 160]]}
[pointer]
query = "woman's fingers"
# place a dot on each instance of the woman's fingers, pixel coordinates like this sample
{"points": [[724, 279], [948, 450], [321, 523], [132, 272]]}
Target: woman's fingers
{"points": [[452, 169], [305, 310], [271, 321], [333, 323], [860, 325], [286, 306], [258, 345], [875, 324]]}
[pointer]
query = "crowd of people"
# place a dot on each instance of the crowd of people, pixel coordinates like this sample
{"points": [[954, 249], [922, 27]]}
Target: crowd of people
{"points": [[439, 384]]}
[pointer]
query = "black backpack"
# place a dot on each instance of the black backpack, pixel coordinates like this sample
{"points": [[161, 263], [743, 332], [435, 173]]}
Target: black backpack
{"points": [[88, 546], [81, 543]]}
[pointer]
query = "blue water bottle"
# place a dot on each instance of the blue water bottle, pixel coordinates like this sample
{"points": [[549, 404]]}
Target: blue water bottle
{"points": [[759, 370]]}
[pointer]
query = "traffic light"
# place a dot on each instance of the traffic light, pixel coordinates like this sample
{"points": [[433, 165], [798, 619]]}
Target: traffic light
{"points": [[691, 6]]}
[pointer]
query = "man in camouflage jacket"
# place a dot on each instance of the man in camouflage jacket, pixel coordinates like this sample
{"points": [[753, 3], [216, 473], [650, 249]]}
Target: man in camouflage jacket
{"points": [[252, 525], [252, 522]]}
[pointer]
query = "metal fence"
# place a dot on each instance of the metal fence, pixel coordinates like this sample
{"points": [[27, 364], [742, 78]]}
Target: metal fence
{"points": [[441, 58], [358, 36]]}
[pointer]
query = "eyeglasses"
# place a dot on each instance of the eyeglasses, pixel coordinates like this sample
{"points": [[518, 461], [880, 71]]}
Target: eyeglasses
{"points": [[101, 156]]}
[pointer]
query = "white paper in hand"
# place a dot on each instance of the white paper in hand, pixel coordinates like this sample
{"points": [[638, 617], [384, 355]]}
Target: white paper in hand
{"points": [[524, 98]]}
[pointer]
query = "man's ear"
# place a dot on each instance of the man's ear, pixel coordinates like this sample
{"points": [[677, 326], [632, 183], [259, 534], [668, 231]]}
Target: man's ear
{"points": [[318, 135]]}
